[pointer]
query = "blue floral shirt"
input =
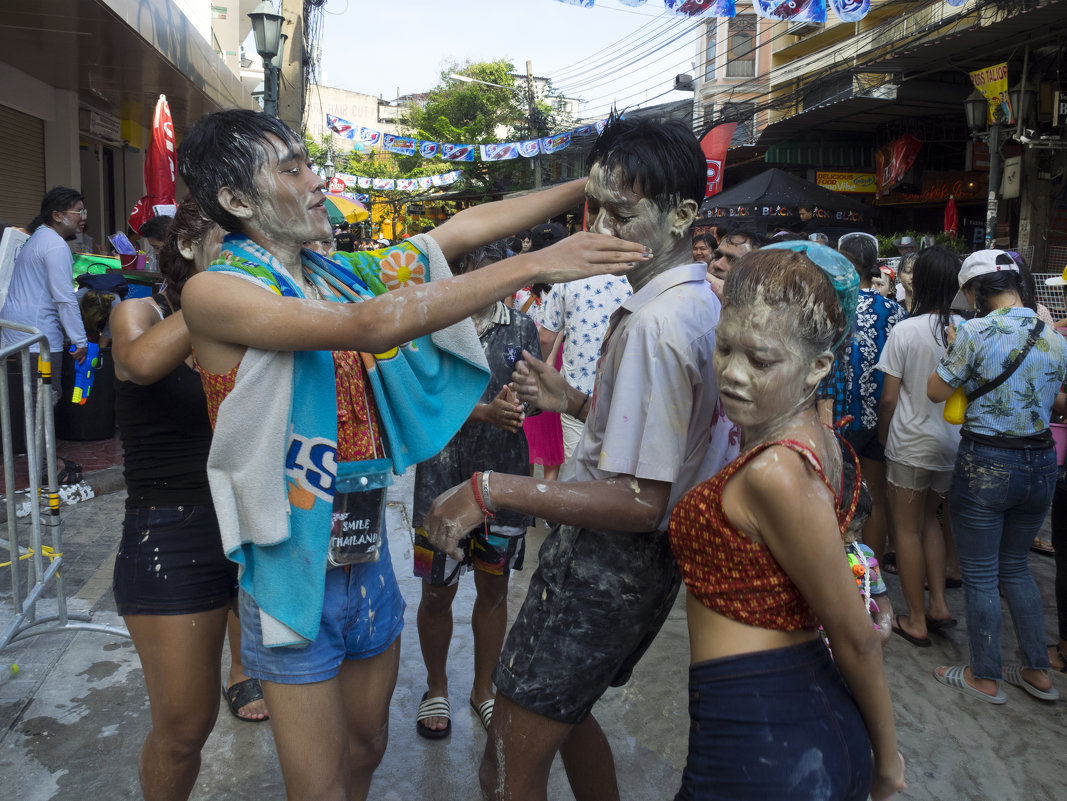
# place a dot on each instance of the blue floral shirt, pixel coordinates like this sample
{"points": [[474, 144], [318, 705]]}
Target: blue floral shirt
{"points": [[583, 308], [854, 384], [1021, 406]]}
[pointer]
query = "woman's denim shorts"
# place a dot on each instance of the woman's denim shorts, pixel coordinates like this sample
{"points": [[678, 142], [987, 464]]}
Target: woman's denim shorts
{"points": [[774, 725], [170, 562]]}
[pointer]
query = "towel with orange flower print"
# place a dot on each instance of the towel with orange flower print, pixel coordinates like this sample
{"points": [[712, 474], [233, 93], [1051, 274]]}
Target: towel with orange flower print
{"points": [[424, 390]]}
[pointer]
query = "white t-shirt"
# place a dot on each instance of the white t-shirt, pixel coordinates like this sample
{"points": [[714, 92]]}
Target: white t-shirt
{"points": [[919, 435]]}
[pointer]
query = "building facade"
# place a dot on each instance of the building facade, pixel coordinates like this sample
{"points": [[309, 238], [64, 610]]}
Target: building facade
{"points": [[78, 88]]}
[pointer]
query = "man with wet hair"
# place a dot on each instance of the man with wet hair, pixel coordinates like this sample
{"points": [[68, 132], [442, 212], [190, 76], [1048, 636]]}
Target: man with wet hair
{"points": [[293, 406], [606, 579]]}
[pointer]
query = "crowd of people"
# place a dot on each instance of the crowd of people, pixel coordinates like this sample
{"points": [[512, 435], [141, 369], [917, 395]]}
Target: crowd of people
{"points": [[676, 393]]}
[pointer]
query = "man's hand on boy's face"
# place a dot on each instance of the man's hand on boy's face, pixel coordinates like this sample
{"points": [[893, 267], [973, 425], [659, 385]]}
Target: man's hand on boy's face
{"points": [[585, 254]]}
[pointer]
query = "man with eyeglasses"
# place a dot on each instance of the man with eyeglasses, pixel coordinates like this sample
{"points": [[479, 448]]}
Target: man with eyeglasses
{"points": [[41, 293]]}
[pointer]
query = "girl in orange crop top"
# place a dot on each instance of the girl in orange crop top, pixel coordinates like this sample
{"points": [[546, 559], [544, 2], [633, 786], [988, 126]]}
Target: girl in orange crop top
{"points": [[760, 550]]}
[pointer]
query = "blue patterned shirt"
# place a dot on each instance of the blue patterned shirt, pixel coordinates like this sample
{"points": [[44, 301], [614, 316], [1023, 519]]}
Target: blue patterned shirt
{"points": [[875, 317], [854, 385], [1021, 406], [583, 308]]}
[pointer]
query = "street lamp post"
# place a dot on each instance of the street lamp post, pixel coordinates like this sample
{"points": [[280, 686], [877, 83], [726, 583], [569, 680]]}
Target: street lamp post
{"points": [[976, 109], [267, 30]]}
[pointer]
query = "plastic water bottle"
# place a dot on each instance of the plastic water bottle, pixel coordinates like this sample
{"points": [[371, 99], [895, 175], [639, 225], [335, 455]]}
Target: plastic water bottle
{"points": [[956, 407]]}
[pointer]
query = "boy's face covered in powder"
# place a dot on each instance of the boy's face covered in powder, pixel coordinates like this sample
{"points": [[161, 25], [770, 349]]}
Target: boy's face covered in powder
{"points": [[291, 206], [617, 209], [762, 370]]}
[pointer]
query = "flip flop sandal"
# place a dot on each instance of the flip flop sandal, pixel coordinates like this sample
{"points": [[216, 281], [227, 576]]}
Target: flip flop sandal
{"points": [[954, 679], [436, 707], [918, 642], [1063, 659], [889, 562], [1042, 547], [1013, 674], [935, 625], [485, 711], [241, 695]]}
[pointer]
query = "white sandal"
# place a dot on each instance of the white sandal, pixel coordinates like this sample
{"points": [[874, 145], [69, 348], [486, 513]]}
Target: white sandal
{"points": [[437, 707]]}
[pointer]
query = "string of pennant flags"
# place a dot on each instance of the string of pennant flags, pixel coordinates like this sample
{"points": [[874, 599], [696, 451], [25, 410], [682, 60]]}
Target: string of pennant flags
{"points": [[787, 10], [353, 183], [498, 151]]}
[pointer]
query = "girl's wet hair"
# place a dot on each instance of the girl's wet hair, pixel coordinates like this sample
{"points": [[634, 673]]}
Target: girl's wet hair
{"points": [[789, 280], [188, 224], [990, 285], [934, 282], [226, 149]]}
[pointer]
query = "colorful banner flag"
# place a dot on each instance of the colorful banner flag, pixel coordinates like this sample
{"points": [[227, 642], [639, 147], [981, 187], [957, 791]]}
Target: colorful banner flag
{"points": [[363, 182], [407, 184], [429, 150], [501, 152], [384, 184], [403, 145], [792, 10], [552, 144], [855, 10], [457, 152], [341, 127], [714, 145], [583, 130], [700, 8], [600, 125], [426, 182], [992, 82], [530, 148], [369, 136]]}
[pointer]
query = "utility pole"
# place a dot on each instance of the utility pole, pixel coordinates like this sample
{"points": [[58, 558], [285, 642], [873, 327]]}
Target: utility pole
{"points": [[291, 78], [531, 107]]}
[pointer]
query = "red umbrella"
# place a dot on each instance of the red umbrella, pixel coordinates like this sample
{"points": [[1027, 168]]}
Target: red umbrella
{"points": [[160, 175]]}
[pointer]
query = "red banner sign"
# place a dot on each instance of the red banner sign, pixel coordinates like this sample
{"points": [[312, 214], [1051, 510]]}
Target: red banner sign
{"points": [[715, 144]]}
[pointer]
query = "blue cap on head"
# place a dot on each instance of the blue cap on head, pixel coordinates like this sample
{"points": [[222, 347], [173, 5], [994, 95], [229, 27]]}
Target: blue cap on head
{"points": [[838, 269]]}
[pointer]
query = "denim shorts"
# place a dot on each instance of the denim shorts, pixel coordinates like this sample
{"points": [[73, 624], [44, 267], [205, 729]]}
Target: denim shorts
{"points": [[362, 615], [918, 479], [594, 606], [774, 726], [170, 562]]}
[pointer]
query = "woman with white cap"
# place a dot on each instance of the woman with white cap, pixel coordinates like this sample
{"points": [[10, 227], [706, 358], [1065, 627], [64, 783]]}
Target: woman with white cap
{"points": [[1011, 366]]}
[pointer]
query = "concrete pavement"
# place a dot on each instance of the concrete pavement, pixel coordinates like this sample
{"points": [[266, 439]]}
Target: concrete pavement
{"points": [[73, 719]]}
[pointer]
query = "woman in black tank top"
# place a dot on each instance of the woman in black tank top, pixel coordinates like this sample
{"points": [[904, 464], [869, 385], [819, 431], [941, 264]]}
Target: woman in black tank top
{"points": [[173, 584]]}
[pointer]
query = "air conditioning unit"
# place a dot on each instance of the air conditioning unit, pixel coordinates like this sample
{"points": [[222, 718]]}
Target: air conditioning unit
{"points": [[804, 28]]}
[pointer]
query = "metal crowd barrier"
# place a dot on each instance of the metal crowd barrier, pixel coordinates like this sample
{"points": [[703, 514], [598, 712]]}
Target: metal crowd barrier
{"points": [[27, 591]]}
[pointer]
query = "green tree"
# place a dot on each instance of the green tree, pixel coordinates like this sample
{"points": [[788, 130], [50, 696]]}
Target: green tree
{"points": [[474, 113]]}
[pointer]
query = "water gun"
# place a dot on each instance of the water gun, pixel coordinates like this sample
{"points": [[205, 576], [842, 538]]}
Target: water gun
{"points": [[84, 372]]}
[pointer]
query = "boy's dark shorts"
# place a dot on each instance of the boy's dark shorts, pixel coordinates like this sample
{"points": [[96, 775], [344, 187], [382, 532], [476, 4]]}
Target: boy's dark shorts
{"points": [[595, 603], [865, 443]]}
